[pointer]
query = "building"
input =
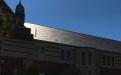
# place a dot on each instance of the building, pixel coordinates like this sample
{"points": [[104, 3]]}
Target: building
{"points": [[92, 55], [52, 51]]}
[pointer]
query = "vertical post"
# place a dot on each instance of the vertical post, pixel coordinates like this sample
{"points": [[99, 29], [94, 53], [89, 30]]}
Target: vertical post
{"points": [[0, 59], [0, 70], [1, 65]]}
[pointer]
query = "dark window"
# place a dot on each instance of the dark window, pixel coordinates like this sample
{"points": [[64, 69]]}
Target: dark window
{"points": [[104, 60], [119, 60], [108, 60], [89, 58], [1, 20], [83, 56], [112, 61], [68, 53], [62, 54]]}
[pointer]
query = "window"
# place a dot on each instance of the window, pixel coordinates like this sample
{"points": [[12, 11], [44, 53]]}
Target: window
{"points": [[104, 60], [68, 53], [120, 61], [83, 56], [108, 60], [112, 61], [1, 20], [62, 54], [89, 58]]}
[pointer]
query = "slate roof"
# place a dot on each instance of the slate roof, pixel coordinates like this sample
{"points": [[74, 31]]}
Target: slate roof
{"points": [[76, 39]]}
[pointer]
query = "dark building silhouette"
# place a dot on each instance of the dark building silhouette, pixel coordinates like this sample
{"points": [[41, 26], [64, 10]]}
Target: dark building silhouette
{"points": [[52, 51], [12, 25], [20, 13]]}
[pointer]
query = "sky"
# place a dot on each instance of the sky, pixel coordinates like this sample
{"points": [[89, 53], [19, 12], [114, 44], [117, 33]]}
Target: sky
{"points": [[93, 17]]}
